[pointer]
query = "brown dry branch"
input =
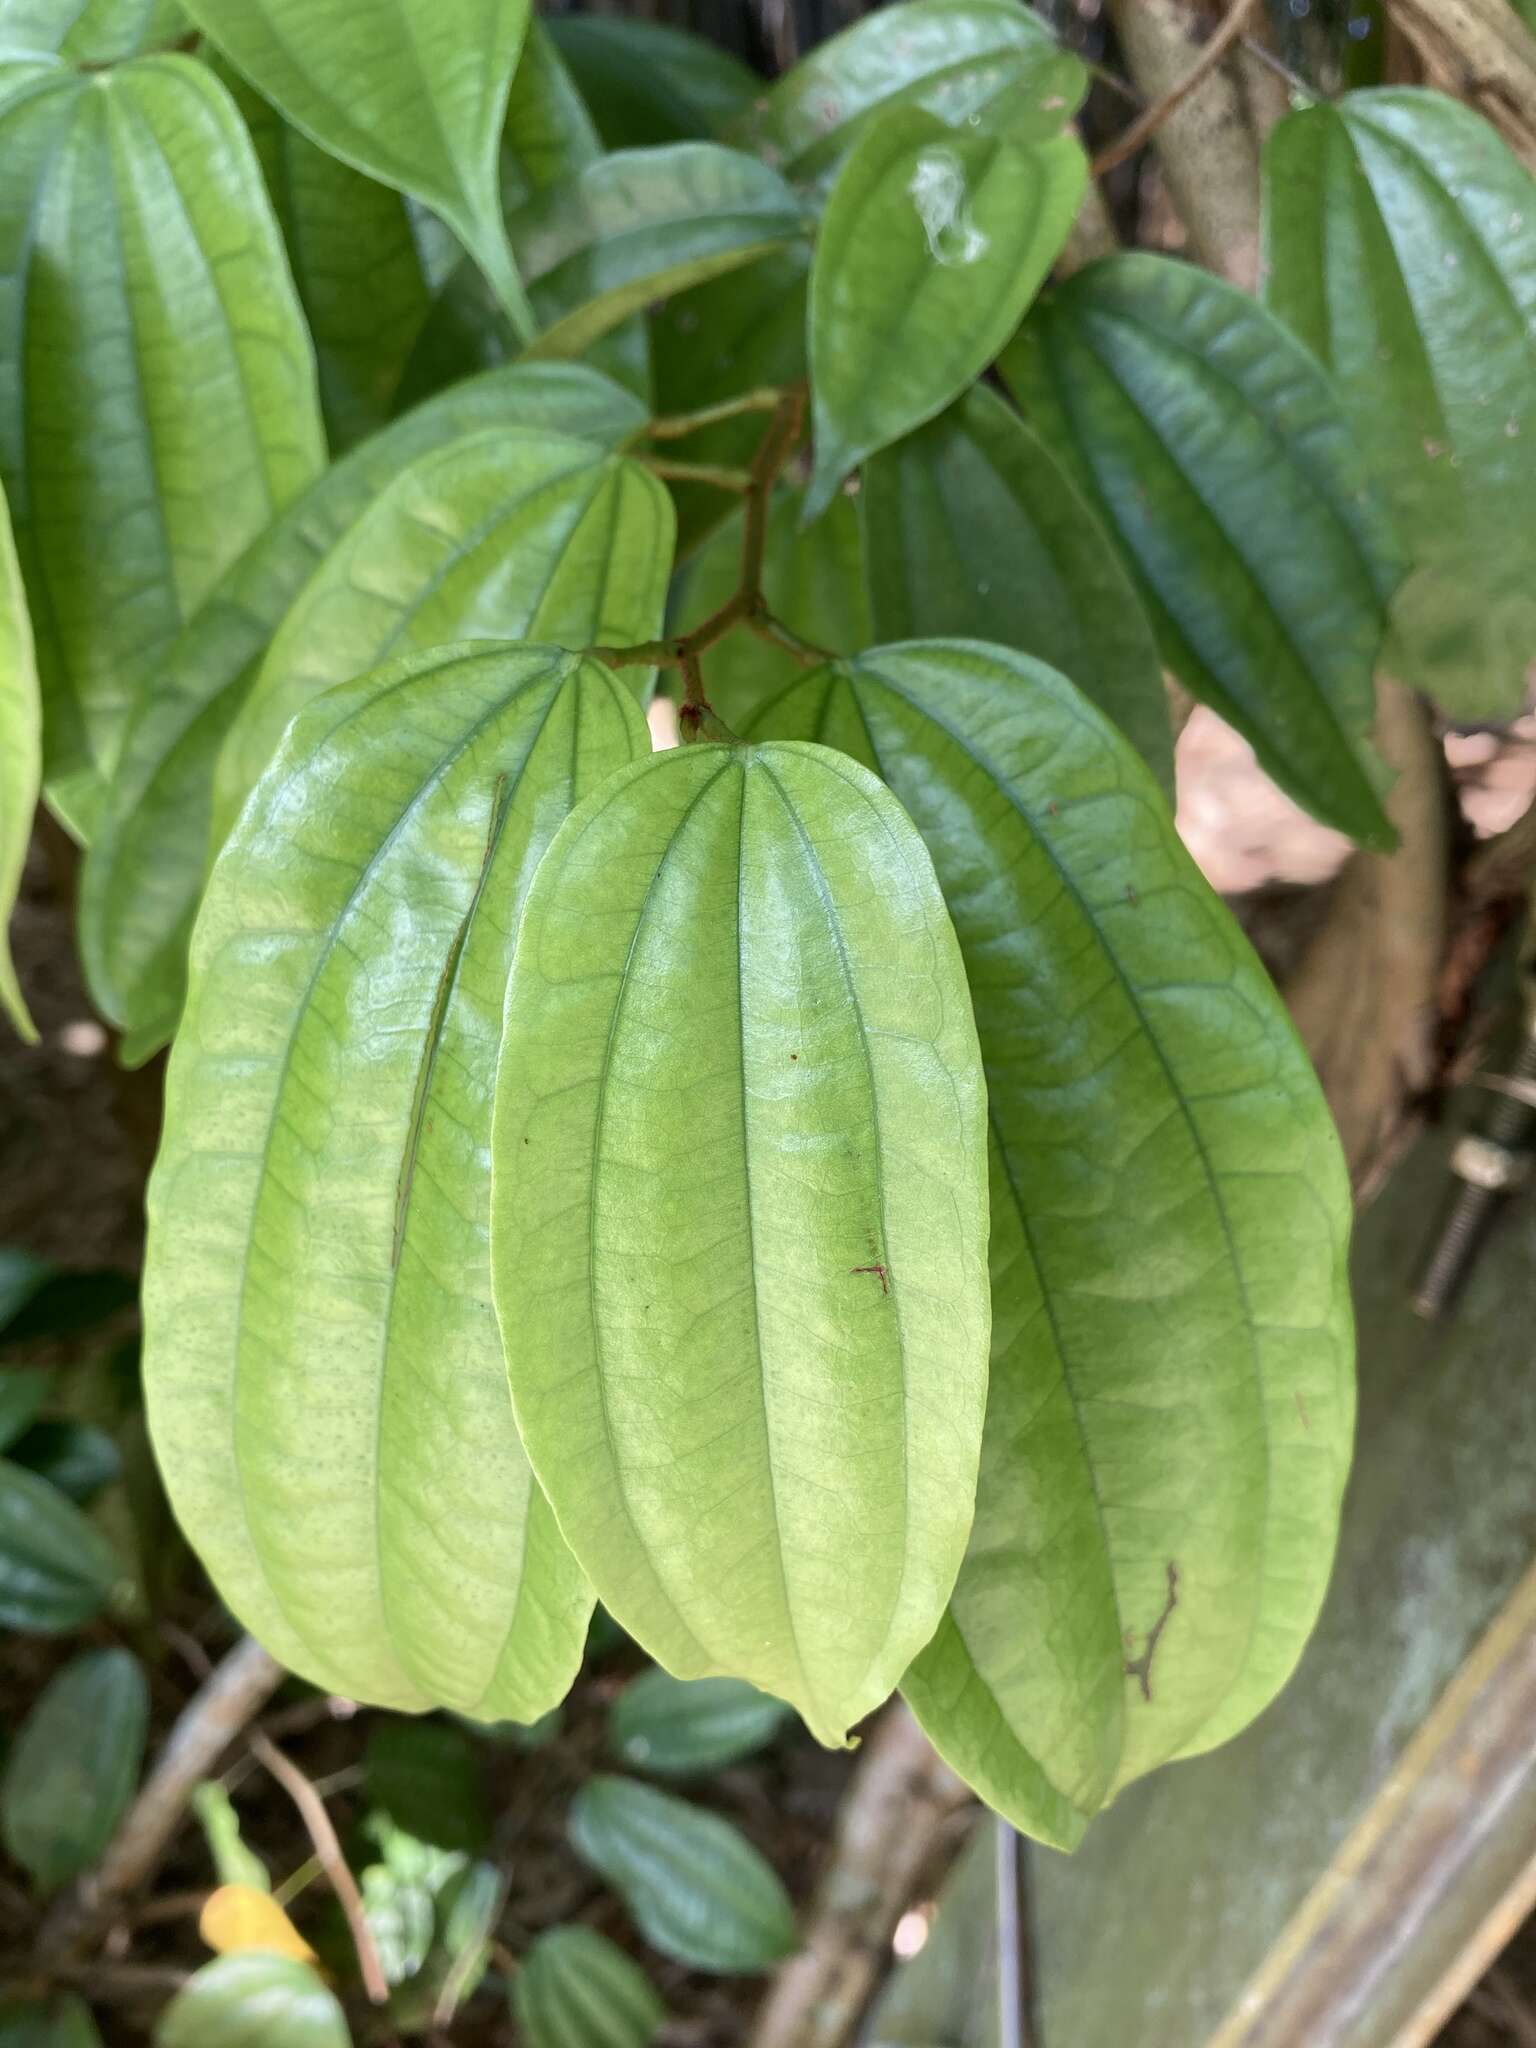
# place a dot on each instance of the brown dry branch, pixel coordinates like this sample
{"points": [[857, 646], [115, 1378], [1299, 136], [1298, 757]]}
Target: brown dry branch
{"points": [[898, 1806], [229, 1699], [1207, 150], [1364, 994], [1147, 123], [1482, 52]]}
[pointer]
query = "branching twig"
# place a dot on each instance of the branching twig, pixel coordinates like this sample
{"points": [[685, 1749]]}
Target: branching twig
{"points": [[890, 1822], [318, 1823], [1146, 124], [231, 1696]]}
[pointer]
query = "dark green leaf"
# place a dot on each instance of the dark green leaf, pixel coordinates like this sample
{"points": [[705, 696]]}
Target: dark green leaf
{"points": [[74, 1766], [151, 320], [56, 1568], [412, 93], [76, 1457], [732, 959], [253, 2001], [23, 1390], [933, 244], [61, 1302], [1222, 460], [576, 1990], [59, 2021], [648, 84], [22, 1279], [972, 530], [1400, 233], [732, 335], [967, 61], [21, 760], [696, 1887], [1171, 1397], [683, 1726], [426, 1776], [636, 226], [813, 577], [310, 1432], [356, 262], [144, 871], [506, 534]]}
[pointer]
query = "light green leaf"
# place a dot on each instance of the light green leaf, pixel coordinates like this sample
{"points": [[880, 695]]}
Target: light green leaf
{"points": [[649, 84], [576, 1990], [1171, 1398], [59, 2021], [1401, 243], [144, 871], [149, 319], [967, 61], [233, 1861], [638, 225], [696, 1887], [74, 1766], [734, 334], [411, 92], [357, 264], [685, 1726], [21, 761], [90, 31], [501, 534], [253, 2001], [1222, 461], [933, 244], [426, 1776], [813, 578], [56, 1568], [738, 1060], [322, 1366], [973, 531]]}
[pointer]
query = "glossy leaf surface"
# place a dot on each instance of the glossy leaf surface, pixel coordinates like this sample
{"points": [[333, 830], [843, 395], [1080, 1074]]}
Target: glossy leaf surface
{"points": [[1222, 460], [973, 530], [967, 61], [76, 1457], [322, 1366], [577, 1990], [74, 1766], [685, 1726], [145, 868], [253, 2001], [1171, 1398], [91, 31], [648, 84], [813, 579], [738, 1136], [696, 1887], [21, 761], [640, 224], [151, 318], [1399, 241], [56, 1568], [502, 534], [411, 92], [357, 264], [933, 243]]}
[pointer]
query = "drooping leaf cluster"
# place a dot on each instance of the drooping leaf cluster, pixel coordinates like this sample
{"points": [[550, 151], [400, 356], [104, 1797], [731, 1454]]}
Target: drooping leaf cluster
{"points": [[841, 1191]]}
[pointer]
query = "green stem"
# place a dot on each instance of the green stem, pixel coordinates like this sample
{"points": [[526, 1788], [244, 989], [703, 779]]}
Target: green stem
{"points": [[673, 426], [699, 473]]}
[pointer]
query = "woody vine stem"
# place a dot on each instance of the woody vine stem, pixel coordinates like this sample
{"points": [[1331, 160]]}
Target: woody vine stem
{"points": [[746, 605]]}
